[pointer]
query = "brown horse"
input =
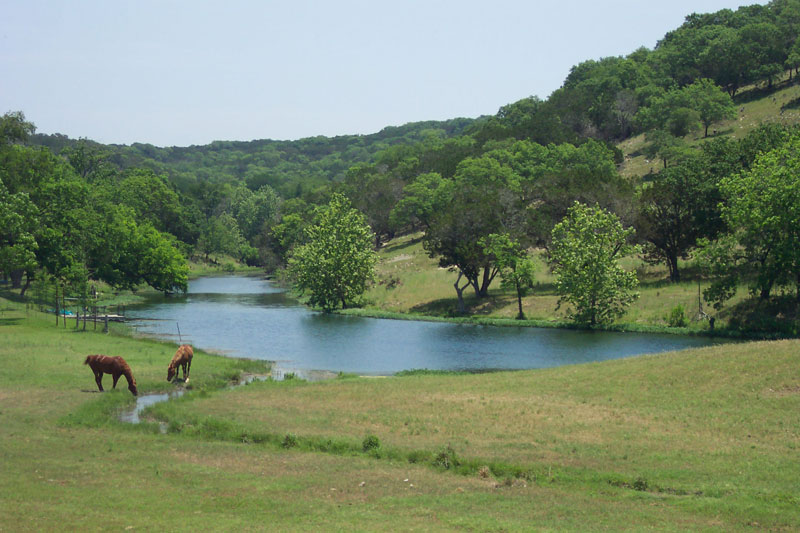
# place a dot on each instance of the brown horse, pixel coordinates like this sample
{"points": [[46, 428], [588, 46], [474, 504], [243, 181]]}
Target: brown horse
{"points": [[116, 366], [182, 358]]}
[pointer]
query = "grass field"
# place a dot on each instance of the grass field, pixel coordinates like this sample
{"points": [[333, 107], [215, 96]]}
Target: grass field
{"points": [[698, 440]]}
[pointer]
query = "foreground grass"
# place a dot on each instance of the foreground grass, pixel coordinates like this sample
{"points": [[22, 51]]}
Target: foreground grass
{"points": [[699, 440], [710, 434]]}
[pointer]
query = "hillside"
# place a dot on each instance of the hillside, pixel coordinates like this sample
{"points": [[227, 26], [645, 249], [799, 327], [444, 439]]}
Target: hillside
{"points": [[287, 166], [755, 106]]}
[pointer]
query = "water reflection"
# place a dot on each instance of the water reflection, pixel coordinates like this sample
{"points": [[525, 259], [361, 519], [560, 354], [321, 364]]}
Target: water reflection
{"points": [[249, 317]]}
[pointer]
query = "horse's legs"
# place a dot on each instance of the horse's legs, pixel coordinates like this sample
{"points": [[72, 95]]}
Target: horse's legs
{"points": [[188, 368], [116, 378], [98, 377]]}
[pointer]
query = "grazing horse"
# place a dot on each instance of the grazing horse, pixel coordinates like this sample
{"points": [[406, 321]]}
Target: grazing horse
{"points": [[116, 366], [182, 358]]}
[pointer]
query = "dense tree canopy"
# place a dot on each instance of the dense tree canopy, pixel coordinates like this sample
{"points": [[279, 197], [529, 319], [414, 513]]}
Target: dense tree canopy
{"points": [[762, 211]]}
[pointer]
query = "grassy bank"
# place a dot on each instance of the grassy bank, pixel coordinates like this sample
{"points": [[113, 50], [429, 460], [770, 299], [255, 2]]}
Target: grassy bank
{"points": [[411, 283], [219, 266], [697, 440]]}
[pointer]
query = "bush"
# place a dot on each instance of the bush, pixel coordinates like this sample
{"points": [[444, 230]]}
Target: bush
{"points": [[446, 459], [677, 317], [290, 441], [370, 443]]}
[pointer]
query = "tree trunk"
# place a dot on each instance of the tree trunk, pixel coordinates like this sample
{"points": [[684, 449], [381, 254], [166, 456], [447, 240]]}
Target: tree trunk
{"points": [[26, 286], [460, 292], [484, 292], [488, 276], [706, 133], [16, 278], [520, 315], [672, 263]]}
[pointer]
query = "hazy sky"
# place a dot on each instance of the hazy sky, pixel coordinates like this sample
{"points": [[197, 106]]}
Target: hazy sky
{"points": [[190, 72]]}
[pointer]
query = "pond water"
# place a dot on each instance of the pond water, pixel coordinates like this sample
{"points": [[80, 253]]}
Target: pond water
{"points": [[249, 317]]}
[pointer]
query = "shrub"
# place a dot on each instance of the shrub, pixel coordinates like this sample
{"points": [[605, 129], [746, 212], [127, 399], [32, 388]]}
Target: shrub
{"points": [[677, 317], [289, 441], [370, 443], [446, 459]]}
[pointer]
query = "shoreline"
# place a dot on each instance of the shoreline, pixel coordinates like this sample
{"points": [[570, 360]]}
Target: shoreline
{"points": [[534, 323]]}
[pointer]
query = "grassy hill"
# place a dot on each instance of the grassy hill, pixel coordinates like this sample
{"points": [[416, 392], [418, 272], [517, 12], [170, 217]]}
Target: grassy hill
{"points": [[755, 106], [699, 440]]}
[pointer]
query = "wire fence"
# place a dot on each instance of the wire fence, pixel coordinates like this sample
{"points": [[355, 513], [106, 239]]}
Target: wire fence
{"points": [[68, 305]]}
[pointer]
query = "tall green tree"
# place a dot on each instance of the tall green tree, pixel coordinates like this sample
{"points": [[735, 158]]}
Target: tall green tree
{"points": [[421, 200], [485, 199], [584, 256], [374, 193], [154, 201], [337, 260], [221, 235], [14, 128], [675, 210], [18, 225], [255, 211], [515, 266], [711, 103], [762, 210]]}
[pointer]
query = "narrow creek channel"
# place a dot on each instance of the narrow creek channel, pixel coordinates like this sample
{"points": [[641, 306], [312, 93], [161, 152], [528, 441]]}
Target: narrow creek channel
{"points": [[143, 401]]}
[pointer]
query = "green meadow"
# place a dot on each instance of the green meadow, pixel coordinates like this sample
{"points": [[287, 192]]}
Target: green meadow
{"points": [[703, 440]]}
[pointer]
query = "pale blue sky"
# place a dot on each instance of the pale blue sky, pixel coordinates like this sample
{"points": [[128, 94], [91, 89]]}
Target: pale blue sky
{"points": [[190, 72]]}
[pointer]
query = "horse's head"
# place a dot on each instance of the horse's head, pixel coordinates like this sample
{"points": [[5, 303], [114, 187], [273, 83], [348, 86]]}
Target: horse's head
{"points": [[133, 389], [171, 372]]}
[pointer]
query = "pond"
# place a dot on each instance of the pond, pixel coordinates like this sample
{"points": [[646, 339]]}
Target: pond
{"points": [[250, 317]]}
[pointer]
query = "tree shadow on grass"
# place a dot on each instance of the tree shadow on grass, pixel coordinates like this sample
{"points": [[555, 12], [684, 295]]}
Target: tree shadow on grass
{"points": [[9, 321], [757, 93], [448, 307], [792, 104], [396, 247], [660, 279]]}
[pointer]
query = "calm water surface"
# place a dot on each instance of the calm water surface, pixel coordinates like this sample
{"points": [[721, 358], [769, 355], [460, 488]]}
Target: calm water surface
{"points": [[249, 317]]}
